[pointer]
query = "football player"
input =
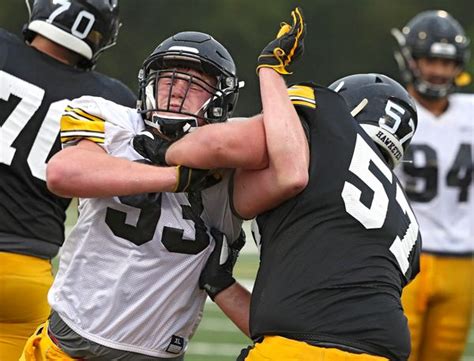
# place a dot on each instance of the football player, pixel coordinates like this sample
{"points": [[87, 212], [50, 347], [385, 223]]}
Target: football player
{"points": [[334, 258], [62, 42], [433, 51], [127, 286]]}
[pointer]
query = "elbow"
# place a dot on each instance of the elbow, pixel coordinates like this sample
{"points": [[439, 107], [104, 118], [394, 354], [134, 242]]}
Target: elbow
{"points": [[295, 171], [57, 178], [295, 183]]}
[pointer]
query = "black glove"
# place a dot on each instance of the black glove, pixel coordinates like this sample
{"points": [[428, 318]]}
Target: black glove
{"points": [[217, 273], [152, 146], [286, 48], [195, 180]]}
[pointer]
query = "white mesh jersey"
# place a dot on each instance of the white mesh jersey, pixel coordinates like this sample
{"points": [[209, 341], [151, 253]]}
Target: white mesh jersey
{"points": [[439, 181], [129, 270]]}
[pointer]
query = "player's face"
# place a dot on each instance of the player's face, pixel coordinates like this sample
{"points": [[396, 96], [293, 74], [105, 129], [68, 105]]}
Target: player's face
{"points": [[438, 70], [184, 90]]}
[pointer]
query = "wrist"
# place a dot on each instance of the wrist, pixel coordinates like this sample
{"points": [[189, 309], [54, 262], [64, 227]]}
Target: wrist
{"points": [[214, 290], [168, 155], [178, 186], [167, 178]]}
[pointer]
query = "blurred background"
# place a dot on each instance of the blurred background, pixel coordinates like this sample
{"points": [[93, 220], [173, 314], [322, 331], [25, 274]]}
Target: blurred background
{"points": [[344, 36]]}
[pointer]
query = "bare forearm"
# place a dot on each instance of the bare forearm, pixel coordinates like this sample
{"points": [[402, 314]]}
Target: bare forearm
{"points": [[287, 145], [236, 144], [235, 303], [287, 172], [79, 172]]}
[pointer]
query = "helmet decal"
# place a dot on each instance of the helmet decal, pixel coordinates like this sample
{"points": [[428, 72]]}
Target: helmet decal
{"points": [[383, 108]]}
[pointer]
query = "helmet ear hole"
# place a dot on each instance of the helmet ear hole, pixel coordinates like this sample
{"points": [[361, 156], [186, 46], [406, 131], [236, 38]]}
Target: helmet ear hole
{"points": [[383, 108]]}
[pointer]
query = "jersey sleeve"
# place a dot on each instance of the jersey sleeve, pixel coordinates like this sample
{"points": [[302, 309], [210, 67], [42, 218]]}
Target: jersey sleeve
{"points": [[302, 95], [303, 98], [218, 208], [98, 120]]}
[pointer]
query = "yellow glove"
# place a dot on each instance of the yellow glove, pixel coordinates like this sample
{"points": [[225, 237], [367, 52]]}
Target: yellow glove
{"points": [[288, 46]]}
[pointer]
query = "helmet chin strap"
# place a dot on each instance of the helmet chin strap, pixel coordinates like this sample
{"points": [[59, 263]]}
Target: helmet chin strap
{"points": [[175, 126]]}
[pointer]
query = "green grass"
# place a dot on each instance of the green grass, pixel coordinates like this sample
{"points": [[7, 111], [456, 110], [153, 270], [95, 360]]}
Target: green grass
{"points": [[217, 338]]}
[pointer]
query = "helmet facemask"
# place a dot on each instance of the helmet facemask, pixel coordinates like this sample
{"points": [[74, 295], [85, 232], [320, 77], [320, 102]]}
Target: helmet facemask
{"points": [[169, 97], [175, 60], [165, 105]]}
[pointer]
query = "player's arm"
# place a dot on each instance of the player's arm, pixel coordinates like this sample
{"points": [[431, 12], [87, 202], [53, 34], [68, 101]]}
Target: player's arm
{"points": [[234, 301], [287, 148], [270, 150], [86, 170], [287, 172], [239, 143], [218, 281]]}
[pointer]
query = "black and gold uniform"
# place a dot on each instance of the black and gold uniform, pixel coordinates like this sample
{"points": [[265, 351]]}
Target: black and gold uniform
{"points": [[334, 259], [34, 90]]}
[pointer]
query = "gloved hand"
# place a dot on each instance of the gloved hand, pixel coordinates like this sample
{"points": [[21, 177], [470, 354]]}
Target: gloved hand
{"points": [[152, 146], [195, 180], [280, 53], [217, 273]]}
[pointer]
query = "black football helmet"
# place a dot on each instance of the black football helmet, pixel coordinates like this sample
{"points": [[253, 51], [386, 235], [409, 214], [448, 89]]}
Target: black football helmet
{"points": [[431, 34], [383, 108], [194, 50], [87, 27]]}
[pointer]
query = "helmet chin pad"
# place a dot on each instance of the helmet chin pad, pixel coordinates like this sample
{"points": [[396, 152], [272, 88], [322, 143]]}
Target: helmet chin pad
{"points": [[173, 127]]}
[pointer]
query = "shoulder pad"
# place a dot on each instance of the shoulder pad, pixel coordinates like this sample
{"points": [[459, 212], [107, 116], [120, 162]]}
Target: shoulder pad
{"points": [[82, 120], [86, 118], [302, 95]]}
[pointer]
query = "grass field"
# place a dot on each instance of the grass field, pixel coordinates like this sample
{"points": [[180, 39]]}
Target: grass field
{"points": [[217, 338]]}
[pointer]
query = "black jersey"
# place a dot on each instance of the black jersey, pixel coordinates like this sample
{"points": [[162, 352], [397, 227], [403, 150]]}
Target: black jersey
{"points": [[34, 90], [334, 259]]}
